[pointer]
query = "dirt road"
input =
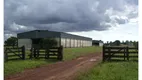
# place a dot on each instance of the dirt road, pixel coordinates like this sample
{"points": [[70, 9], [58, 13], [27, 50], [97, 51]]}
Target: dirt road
{"points": [[64, 70]]}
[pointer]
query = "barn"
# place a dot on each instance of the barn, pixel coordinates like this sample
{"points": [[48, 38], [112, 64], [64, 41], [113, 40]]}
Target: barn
{"points": [[30, 38]]}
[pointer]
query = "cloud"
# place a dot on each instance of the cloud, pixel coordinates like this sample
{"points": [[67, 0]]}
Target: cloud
{"points": [[67, 15]]}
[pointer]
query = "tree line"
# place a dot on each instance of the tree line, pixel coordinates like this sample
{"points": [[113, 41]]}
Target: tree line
{"points": [[122, 43]]}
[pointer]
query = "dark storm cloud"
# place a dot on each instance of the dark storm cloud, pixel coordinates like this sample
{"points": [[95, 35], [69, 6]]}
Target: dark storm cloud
{"points": [[62, 15]]}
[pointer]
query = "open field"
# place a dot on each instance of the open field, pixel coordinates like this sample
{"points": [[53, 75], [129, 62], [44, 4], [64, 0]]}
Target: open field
{"points": [[12, 67], [112, 71]]}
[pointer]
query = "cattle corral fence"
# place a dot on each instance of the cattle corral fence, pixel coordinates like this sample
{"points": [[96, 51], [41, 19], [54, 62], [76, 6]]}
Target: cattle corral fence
{"points": [[119, 53], [14, 53], [47, 53]]}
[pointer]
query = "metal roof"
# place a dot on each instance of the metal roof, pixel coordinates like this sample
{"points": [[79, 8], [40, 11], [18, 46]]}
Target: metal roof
{"points": [[48, 34]]}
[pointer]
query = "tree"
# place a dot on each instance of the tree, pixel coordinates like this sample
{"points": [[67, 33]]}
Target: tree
{"points": [[117, 43], [12, 41], [123, 42], [127, 42]]}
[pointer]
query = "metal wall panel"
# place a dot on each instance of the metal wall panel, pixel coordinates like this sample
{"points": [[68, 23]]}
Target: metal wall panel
{"points": [[71, 36], [75, 43], [25, 42], [58, 41], [67, 42], [72, 42], [63, 42]]}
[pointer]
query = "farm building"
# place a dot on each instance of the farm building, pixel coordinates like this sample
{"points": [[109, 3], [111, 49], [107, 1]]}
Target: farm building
{"points": [[30, 38], [97, 43]]}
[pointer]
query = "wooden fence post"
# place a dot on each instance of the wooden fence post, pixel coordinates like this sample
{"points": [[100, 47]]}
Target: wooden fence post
{"points": [[34, 52], [127, 52], [37, 56], [109, 53], [31, 55], [103, 53], [60, 53], [47, 53], [5, 55], [124, 53], [23, 52]]}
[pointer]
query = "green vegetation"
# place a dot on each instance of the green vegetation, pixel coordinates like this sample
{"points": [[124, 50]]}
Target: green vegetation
{"points": [[12, 67], [11, 41], [71, 53], [112, 71]]}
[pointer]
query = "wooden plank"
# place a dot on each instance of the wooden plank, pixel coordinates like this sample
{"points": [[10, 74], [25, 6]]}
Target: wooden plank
{"points": [[13, 51], [133, 56], [53, 54], [114, 51], [119, 56], [133, 48], [14, 59], [54, 51], [41, 54], [42, 51], [115, 47], [133, 52], [15, 48], [14, 55]]}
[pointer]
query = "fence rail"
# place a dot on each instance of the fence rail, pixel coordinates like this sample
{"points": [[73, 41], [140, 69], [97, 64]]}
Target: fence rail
{"points": [[11, 53], [46, 53], [119, 53]]}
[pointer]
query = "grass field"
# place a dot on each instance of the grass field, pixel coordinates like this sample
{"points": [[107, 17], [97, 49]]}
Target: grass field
{"points": [[12, 67], [112, 71], [71, 53]]}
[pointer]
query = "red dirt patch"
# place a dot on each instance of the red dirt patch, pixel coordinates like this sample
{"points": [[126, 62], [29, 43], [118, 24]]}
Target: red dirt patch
{"points": [[65, 70]]}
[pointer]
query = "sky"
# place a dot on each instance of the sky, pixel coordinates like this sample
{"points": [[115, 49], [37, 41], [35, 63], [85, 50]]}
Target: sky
{"points": [[106, 20]]}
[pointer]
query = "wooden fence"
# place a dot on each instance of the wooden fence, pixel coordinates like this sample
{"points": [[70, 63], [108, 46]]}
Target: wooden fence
{"points": [[119, 53], [14, 53], [54, 52]]}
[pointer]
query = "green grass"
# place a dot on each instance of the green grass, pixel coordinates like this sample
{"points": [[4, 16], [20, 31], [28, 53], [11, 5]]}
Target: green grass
{"points": [[71, 53], [112, 71], [12, 67]]}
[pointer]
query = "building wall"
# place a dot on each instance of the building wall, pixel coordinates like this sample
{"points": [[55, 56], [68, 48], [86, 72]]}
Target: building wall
{"points": [[69, 43], [25, 42], [100, 44], [58, 41], [72, 42], [63, 41]]}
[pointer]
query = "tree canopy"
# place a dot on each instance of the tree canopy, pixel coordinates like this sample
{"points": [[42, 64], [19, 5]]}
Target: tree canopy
{"points": [[12, 41]]}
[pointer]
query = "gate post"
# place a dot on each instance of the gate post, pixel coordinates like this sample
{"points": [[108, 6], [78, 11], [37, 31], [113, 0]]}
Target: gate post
{"points": [[31, 55], [60, 53], [23, 52], [124, 53], [34, 52], [103, 53], [5, 55], [127, 52]]}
